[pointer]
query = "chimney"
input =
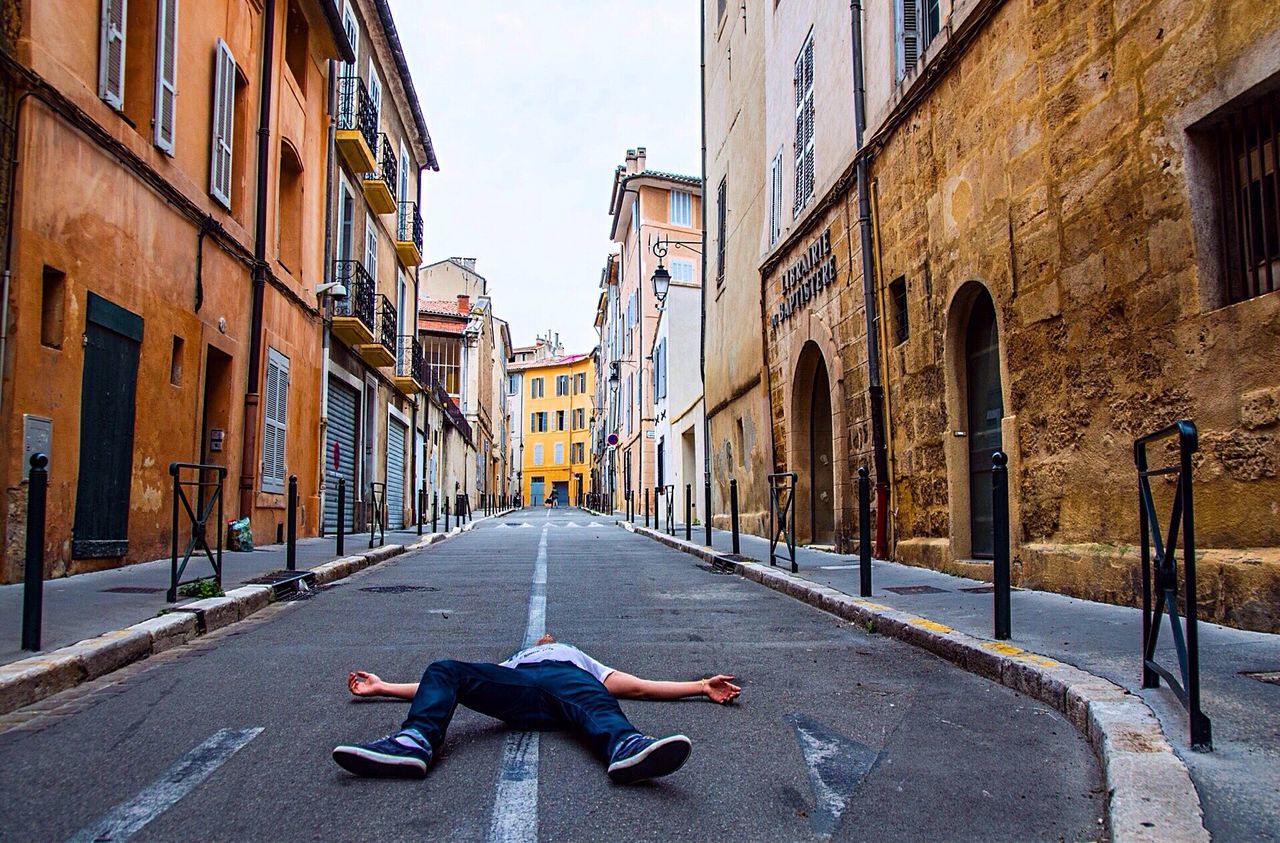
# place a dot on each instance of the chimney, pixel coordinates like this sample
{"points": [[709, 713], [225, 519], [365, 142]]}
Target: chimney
{"points": [[631, 161], [640, 159], [464, 304], [465, 263]]}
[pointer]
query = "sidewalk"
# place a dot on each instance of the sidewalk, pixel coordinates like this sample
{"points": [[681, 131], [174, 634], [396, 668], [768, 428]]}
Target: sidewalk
{"points": [[85, 605], [1238, 782]]}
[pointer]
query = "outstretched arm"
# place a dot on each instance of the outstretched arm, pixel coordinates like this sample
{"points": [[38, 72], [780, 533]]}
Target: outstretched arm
{"points": [[365, 684], [625, 686]]}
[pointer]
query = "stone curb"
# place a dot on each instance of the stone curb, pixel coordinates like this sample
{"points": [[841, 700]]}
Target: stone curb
{"points": [[1150, 793], [32, 679]]}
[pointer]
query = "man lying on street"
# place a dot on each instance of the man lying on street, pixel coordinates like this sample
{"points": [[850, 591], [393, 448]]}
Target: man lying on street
{"points": [[547, 686]]}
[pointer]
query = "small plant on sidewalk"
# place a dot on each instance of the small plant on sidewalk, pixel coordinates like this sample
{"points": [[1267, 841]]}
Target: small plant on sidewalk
{"points": [[200, 589]]}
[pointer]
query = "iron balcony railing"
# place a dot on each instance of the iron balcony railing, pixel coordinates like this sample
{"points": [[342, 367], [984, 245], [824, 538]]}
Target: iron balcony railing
{"points": [[360, 296], [388, 169], [456, 418], [409, 224], [356, 109], [410, 361], [387, 324]]}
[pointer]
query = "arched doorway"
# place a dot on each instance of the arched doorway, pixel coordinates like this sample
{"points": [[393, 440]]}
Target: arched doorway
{"points": [[812, 426], [984, 410]]}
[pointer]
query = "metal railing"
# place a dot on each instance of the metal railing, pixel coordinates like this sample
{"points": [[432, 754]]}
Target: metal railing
{"points": [[410, 361], [409, 224], [388, 167], [388, 323], [356, 109], [376, 513], [360, 292], [782, 516], [208, 497], [1160, 575]]}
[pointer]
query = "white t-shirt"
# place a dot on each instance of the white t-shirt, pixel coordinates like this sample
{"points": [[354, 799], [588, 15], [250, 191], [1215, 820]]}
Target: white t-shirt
{"points": [[559, 653]]}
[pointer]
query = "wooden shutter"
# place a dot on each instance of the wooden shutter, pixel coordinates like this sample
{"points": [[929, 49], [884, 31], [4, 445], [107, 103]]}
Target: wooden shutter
{"points": [[371, 253], [224, 99], [375, 94], [275, 419], [111, 53], [907, 35], [166, 73]]}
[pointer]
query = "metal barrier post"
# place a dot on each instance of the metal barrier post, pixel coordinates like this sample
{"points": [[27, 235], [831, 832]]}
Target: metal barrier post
{"points": [[421, 512], [291, 526], [33, 573], [435, 512], [706, 515], [447, 528], [864, 532], [1000, 531], [342, 515], [733, 514], [646, 505], [688, 512]]}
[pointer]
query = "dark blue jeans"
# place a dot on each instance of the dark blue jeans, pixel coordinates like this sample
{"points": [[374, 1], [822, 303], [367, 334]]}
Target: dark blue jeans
{"points": [[535, 697]]}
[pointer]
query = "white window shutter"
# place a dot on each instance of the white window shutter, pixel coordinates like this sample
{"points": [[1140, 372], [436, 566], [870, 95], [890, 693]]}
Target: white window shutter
{"points": [[111, 53], [166, 73], [907, 33], [352, 29], [371, 254], [375, 94], [224, 97], [275, 422]]}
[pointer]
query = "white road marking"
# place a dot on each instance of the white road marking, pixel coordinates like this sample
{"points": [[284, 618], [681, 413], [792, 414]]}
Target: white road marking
{"points": [[515, 802], [128, 818], [836, 766]]}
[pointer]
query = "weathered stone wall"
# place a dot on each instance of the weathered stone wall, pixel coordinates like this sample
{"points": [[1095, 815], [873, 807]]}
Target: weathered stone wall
{"points": [[1052, 164]]}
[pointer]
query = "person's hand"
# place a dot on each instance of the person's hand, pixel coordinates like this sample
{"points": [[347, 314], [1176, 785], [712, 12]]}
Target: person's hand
{"points": [[719, 689], [364, 684]]}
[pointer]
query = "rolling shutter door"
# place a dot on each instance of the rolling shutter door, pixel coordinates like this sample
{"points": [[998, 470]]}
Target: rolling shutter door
{"points": [[395, 474], [340, 452]]}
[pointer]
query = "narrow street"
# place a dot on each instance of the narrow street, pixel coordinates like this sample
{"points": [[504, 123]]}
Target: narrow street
{"points": [[839, 734]]}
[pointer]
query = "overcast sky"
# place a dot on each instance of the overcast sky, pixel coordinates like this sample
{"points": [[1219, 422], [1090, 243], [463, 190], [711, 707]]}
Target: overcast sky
{"points": [[531, 104]]}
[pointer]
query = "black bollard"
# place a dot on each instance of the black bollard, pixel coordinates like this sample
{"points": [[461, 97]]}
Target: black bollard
{"points": [[291, 526], [733, 514], [864, 533], [447, 528], [421, 511], [33, 573], [435, 512], [646, 505], [342, 515], [688, 512], [706, 518], [1000, 531]]}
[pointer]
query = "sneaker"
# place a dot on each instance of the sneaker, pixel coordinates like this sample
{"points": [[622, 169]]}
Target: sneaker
{"points": [[406, 754], [640, 757]]}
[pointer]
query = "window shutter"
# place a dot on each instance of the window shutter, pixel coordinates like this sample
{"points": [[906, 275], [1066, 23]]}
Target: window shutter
{"points": [[352, 29], [375, 94], [166, 73], [371, 254], [275, 418], [224, 94], [908, 36], [111, 53]]}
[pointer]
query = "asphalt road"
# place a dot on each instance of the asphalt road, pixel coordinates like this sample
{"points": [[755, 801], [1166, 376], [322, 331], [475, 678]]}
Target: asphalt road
{"points": [[839, 734]]}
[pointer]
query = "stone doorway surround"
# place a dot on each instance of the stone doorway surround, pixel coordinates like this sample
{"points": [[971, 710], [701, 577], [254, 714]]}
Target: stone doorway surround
{"points": [[802, 354]]}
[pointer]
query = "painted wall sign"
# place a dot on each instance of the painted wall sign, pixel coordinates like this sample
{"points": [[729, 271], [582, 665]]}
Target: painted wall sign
{"points": [[808, 275]]}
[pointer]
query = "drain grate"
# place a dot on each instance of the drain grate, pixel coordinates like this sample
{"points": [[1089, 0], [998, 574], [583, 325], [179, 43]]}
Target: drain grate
{"points": [[1271, 677], [916, 589], [132, 589], [304, 592], [398, 589]]}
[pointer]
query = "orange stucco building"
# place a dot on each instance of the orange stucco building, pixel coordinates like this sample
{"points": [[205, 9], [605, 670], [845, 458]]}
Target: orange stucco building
{"points": [[161, 262]]}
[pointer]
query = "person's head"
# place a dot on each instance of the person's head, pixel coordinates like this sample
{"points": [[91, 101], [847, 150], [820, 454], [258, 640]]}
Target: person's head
{"points": [[547, 638]]}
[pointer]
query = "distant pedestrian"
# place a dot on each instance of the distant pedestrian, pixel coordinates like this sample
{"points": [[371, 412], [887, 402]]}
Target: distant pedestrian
{"points": [[545, 687]]}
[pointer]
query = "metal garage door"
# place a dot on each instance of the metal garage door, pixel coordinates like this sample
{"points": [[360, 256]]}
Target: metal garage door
{"points": [[340, 453], [395, 474]]}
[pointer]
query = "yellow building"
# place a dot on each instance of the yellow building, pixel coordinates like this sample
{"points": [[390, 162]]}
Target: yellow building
{"points": [[554, 400]]}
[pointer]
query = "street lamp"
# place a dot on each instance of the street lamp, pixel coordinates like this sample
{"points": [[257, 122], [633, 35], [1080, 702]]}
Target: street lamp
{"points": [[661, 283], [661, 277]]}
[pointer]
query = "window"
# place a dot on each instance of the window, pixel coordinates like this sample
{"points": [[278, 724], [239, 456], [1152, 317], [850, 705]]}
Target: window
{"points": [[630, 402], [537, 453], [682, 270], [578, 452], [1248, 153], [296, 45], [275, 417], [660, 369], [166, 74], [53, 294], [352, 28], [579, 419], [803, 82], [538, 422], [111, 53], [916, 23], [513, 384], [175, 361], [898, 308], [579, 383], [681, 212], [441, 355], [720, 226], [375, 93], [535, 388], [224, 104], [560, 416], [371, 250], [558, 453], [775, 199], [289, 213], [562, 384]]}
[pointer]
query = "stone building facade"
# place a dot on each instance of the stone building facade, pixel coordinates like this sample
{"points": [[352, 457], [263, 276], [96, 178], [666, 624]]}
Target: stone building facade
{"points": [[1074, 243]]}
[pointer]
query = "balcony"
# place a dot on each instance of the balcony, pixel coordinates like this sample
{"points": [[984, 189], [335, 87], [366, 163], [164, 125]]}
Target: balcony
{"points": [[380, 352], [409, 234], [411, 365], [380, 185], [355, 316], [357, 132]]}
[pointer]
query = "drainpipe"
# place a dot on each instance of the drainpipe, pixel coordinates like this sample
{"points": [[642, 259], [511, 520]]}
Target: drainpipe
{"points": [[702, 339], [10, 224], [252, 396], [328, 276], [875, 389]]}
